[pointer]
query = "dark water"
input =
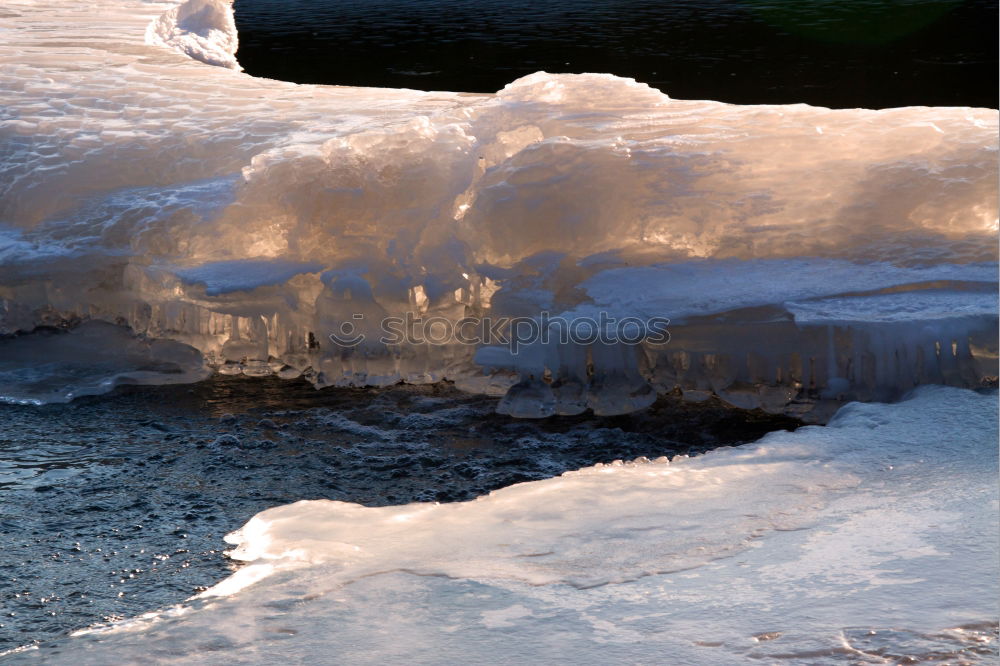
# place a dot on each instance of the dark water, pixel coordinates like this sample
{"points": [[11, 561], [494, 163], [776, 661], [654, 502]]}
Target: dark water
{"points": [[116, 505], [837, 53]]}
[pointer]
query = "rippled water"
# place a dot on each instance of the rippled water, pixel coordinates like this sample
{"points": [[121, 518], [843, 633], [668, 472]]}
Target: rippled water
{"points": [[843, 53]]}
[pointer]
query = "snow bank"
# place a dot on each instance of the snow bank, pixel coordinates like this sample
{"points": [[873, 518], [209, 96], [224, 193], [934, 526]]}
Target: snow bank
{"points": [[871, 540], [144, 188]]}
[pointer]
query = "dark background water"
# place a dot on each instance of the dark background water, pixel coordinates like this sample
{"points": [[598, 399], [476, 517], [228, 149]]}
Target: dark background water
{"points": [[837, 53]]}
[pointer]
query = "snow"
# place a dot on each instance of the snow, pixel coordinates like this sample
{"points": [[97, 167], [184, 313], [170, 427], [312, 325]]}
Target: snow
{"points": [[872, 536], [250, 219], [692, 289]]}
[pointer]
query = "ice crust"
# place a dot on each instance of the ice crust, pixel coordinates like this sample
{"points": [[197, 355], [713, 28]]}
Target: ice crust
{"points": [[870, 540], [804, 256], [93, 358]]}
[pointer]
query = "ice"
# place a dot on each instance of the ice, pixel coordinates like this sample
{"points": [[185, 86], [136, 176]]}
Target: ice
{"points": [[804, 256], [224, 277], [872, 536], [202, 29], [92, 358]]}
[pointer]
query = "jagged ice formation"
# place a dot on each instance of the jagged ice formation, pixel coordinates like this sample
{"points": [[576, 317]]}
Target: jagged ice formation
{"points": [[803, 255]]}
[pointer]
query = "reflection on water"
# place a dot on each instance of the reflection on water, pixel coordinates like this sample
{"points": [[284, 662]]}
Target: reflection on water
{"points": [[843, 53]]}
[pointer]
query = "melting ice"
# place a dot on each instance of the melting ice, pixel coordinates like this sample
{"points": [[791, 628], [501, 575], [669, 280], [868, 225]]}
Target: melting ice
{"points": [[804, 256]]}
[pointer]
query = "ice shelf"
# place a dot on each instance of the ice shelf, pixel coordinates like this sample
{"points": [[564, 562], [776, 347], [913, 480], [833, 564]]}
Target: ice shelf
{"points": [[803, 256]]}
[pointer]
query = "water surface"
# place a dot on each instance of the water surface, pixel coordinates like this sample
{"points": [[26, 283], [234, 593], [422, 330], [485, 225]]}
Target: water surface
{"points": [[836, 53]]}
